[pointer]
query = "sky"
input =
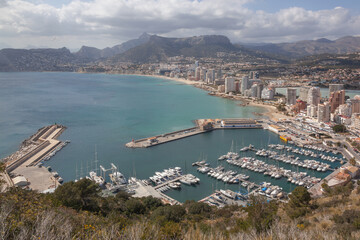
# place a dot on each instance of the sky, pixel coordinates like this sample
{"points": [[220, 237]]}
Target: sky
{"points": [[105, 23]]}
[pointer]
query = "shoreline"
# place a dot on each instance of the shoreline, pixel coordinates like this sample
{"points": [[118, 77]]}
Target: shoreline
{"points": [[270, 111]]}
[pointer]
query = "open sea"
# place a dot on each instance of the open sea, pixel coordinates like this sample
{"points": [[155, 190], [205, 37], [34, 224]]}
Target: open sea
{"points": [[111, 110]]}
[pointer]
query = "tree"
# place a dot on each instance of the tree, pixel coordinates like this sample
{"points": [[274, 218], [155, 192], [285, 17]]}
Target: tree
{"points": [[80, 195], [169, 213], [135, 206], [299, 203], [261, 213], [151, 203], [352, 161], [197, 207], [340, 128]]}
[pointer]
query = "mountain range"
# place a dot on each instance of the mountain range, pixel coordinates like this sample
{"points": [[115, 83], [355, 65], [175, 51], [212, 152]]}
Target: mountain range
{"points": [[153, 48], [299, 49]]}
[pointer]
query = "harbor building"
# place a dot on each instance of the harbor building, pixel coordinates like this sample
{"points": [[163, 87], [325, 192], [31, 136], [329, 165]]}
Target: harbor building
{"points": [[303, 93], [244, 84], [336, 99], [313, 96], [335, 88], [323, 114], [276, 129], [267, 93], [229, 84], [240, 123], [291, 96]]}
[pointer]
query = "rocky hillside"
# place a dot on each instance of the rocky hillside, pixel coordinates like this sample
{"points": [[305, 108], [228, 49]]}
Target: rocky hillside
{"points": [[312, 47], [36, 60], [159, 48], [91, 53]]}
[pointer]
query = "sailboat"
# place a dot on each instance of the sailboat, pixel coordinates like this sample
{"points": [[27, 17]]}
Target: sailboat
{"points": [[94, 174]]}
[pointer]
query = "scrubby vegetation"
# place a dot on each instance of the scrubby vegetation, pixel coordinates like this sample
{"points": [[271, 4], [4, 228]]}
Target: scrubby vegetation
{"points": [[340, 128], [77, 211]]}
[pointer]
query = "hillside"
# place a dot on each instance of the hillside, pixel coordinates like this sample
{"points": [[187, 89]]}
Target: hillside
{"points": [[159, 48], [343, 45], [36, 60], [91, 53]]}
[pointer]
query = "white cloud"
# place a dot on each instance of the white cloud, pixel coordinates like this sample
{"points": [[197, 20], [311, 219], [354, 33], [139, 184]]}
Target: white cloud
{"points": [[107, 22]]}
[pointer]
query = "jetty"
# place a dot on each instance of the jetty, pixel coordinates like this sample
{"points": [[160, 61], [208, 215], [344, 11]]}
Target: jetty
{"points": [[202, 126], [23, 167]]}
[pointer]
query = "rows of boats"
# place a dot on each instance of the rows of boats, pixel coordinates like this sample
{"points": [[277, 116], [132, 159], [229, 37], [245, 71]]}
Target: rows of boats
{"points": [[166, 175], [270, 191], [189, 179], [171, 185], [305, 152], [252, 164], [229, 176], [291, 159]]}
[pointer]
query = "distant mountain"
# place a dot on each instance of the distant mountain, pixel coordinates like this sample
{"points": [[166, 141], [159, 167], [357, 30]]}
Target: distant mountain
{"points": [[312, 47], [91, 53], [159, 48], [36, 59]]}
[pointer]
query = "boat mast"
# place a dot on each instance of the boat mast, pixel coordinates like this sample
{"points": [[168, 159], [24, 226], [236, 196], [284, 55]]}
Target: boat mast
{"points": [[96, 161], [81, 170], [76, 171]]}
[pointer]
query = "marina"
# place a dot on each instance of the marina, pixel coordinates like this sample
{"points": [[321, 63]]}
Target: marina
{"points": [[111, 130]]}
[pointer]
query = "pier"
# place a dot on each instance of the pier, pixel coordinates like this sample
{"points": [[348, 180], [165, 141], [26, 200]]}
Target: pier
{"points": [[203, 125], [40, 146]]}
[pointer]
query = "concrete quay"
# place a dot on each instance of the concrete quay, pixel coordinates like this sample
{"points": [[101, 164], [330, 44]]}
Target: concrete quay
{"points": [[164, 138], [203, 125], [39, 146], [142, 190]]}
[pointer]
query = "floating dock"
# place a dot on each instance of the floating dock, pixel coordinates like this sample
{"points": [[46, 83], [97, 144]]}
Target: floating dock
{"points": [[203, 125]]}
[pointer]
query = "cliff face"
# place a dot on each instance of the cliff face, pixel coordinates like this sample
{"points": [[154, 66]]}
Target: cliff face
{"points": [[36, 59]]}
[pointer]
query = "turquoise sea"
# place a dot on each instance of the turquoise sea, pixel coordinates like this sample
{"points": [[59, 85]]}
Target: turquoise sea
{"points": [[110, 110]]}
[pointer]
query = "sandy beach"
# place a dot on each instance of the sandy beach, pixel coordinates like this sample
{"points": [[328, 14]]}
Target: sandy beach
{"points": [[271, 111], [188, 82]]}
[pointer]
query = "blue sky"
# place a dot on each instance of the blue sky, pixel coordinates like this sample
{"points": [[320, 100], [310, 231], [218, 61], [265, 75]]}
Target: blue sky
{"points": [[103, 23]]}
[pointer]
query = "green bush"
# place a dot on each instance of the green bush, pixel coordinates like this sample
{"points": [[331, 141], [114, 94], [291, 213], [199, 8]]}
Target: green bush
{"points": [[299, 203], [340, 128], [169, 213], [261, 213], [80, 195], [197, 207], [135, 206]]}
